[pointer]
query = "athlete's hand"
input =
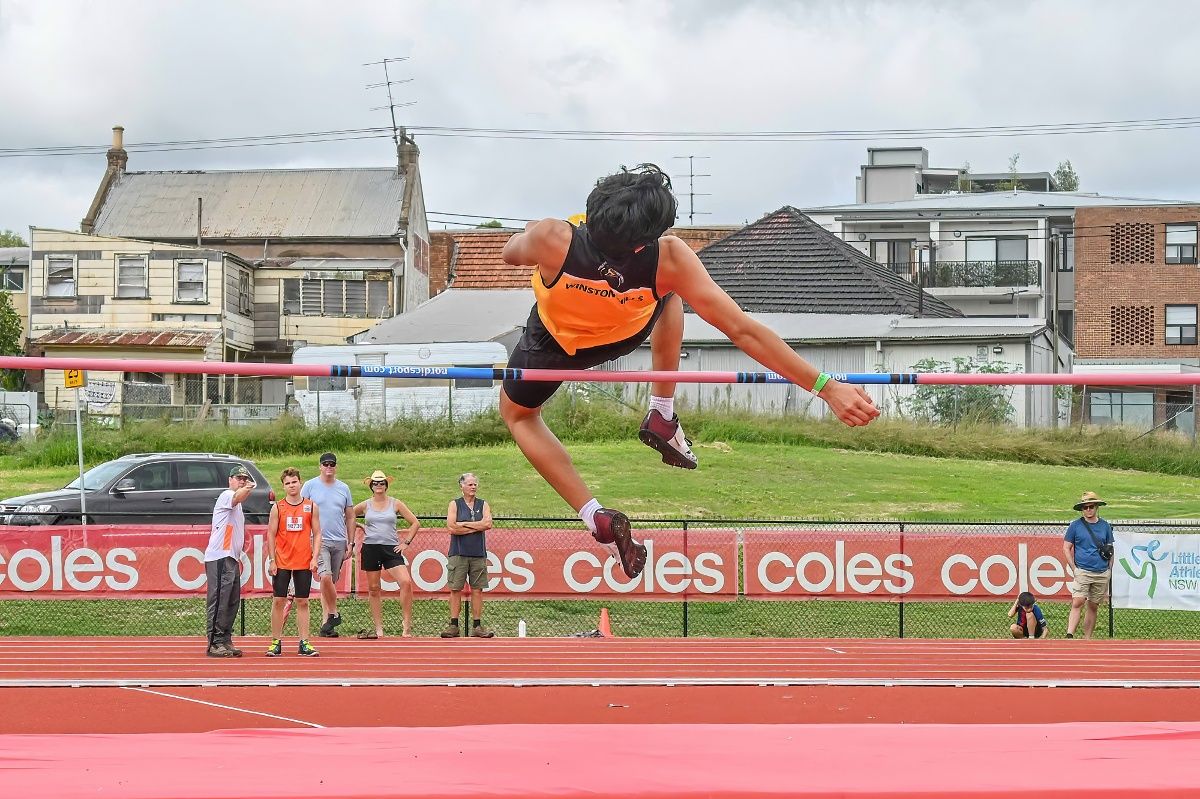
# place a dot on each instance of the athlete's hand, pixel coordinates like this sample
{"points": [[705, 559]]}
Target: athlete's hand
{"points": [[271, 567], [312, 567], [849, 403]]}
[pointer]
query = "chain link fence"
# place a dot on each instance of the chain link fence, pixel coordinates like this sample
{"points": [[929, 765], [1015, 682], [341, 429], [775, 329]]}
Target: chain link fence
{"points": [[721, 579]]}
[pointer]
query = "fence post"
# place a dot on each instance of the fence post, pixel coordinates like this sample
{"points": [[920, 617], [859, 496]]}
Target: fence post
{"points": [[1111, 615], [901, 614], [242, 616], [687, 554]]}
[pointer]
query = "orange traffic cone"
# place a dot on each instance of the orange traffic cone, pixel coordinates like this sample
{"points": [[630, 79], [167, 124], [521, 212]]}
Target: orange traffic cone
{"points": [[605, 628]]}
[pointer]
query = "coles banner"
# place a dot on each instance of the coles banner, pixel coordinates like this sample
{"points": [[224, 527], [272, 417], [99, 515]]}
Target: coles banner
{"points": [[928, 565], [1156, 570], [113, 560]]}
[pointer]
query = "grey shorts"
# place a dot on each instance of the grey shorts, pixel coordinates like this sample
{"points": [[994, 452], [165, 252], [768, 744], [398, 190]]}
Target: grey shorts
{"points": [[330, 561], [460, 567]]}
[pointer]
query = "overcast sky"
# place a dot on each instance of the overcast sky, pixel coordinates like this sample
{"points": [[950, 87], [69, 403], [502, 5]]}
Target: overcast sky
{"points": [[195, 69]]}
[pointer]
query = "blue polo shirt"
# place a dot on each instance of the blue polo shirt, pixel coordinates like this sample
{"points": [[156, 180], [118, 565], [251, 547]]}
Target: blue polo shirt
{"points": [[1087, 557]]}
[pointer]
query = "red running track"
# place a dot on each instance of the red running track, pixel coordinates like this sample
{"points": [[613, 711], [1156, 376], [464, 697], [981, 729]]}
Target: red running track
{"points": [[533, 661]]}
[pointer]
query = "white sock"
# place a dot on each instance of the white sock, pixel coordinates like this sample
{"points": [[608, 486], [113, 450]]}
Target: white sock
{"points": [[588, 514], [664, 405]]}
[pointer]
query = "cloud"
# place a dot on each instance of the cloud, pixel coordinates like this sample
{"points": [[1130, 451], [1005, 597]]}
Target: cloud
{"points": [[209, 68]]}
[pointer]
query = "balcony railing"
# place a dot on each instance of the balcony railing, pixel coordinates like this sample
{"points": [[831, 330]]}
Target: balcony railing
{"points": [[971, 274]]}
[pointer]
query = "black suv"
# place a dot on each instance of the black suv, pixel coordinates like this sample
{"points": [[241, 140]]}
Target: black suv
{"points": [[149, 488]]}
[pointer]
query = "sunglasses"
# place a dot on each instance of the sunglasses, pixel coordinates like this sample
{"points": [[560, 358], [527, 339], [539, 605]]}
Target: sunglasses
{"points": [[328, 463], [241, 477], [1089, 507], [379, 482]]}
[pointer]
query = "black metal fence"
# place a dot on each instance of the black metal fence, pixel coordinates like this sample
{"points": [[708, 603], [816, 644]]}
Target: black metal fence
{"points": [[776, 578]]}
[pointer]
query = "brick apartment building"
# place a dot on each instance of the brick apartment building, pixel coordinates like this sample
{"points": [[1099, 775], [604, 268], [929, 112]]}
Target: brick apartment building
{"points": [[1137, 291]]}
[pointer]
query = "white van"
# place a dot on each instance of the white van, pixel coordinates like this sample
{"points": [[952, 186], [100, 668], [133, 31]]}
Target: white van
{"points": [[352, 401]]}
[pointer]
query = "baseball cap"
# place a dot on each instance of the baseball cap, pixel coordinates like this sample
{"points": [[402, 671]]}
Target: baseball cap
{"points": [[239, 471], [328, 457]]}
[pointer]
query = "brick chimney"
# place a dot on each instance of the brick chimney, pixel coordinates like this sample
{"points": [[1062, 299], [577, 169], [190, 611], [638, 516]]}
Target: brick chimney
{"points": [[117, 159], [407, 152]]}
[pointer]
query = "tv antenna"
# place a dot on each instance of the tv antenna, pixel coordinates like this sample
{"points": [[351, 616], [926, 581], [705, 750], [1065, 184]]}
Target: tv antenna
{"points": [[387, 84], [692, 194]]}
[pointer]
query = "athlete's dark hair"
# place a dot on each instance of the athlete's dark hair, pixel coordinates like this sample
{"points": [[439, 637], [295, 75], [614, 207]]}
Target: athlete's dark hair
{"points": [[630, 209], [1025, 599]]}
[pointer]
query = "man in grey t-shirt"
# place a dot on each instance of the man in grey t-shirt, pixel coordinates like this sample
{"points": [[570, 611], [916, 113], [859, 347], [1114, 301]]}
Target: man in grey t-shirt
{"points": [[337, 517]]}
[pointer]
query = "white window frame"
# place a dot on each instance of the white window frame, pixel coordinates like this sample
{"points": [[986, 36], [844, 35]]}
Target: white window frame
{"points": [[60, 259], [203, 263], [1180, 330], [145, 284], [1183, 249], [10, 272]]}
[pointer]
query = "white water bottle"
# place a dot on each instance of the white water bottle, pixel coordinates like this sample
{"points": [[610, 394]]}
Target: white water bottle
{"points": [[521, 628]]}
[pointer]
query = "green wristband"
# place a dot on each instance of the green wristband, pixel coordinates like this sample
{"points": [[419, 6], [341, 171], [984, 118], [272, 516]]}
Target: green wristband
{"points": [[822, 379]]}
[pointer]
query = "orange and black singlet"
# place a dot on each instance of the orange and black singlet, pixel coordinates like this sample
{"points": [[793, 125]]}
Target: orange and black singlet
{"points": [[293, 538], [594, 301]]}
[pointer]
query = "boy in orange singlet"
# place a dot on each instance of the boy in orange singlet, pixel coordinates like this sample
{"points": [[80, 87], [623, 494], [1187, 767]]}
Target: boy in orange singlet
{"points": [[603, 287], [293, 541]]}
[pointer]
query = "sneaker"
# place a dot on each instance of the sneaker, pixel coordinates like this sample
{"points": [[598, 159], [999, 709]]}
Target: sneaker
{"points": [[612, 527], [276, 649], [223, 651], [234, 651], [482, 632], [451, 631], [666, 436], [306, 651], [1070, 635]]}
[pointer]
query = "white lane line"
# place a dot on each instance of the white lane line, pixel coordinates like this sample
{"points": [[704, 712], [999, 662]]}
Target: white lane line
{"points": [[223, 707], [831, 649]]}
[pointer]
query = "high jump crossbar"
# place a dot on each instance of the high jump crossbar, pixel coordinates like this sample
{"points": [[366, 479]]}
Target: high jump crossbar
{"points": [[583, 375]]}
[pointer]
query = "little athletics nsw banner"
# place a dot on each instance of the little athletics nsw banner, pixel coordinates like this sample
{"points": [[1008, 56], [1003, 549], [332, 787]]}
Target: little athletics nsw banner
{"points": [[132, 560], [1158, 571]]}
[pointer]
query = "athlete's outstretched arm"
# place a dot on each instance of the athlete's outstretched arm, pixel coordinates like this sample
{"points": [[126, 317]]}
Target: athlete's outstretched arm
{"points": [[544, 243], [682, 272]]}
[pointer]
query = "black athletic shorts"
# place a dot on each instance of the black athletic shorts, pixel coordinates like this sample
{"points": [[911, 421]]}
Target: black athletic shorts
{"points": [[376, 557], [302, 578], [537, 349]]}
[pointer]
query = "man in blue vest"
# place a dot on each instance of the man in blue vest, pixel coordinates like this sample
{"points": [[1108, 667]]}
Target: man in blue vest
{"points": [[467, 519]]}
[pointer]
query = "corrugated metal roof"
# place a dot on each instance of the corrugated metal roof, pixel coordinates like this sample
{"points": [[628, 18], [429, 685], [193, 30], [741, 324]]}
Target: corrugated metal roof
{"points": [[14, 256], [997, 200], [176, 339], [457, 315], [339, 264], [256, 204]]}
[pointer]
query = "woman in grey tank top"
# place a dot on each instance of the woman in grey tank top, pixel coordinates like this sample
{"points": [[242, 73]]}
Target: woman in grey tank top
{"points": [[382, 549]]}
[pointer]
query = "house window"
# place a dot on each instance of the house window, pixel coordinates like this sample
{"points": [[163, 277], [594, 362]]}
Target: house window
{"points": [[1181, 324], [190, 281], [1181, 244], [1126, 408], [326, 384], [1064, 246], [131, 276], [60, 276], [245, 298], [998, 249], [892, 251], [12, 280], [346, 298]]}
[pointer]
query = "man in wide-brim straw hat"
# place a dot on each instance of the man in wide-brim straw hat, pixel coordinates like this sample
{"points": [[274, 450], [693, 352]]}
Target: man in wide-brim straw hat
{"points": [[1088, 546]]}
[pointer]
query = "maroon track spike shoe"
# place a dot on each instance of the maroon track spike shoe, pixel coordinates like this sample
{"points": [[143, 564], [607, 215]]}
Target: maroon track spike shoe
{"points": [[666, 436], [612, 528]]}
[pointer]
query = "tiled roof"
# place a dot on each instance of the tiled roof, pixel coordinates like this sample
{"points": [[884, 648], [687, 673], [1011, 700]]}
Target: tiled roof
{"points": [[176, 339], [476, 262], [261, 203], [786, 263]]}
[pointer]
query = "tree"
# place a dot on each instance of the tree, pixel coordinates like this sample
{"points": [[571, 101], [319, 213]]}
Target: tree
{"points": [[1014, 176], [9, 238], [953, 405], [1065, 177], [492, 223], [10, 342]]}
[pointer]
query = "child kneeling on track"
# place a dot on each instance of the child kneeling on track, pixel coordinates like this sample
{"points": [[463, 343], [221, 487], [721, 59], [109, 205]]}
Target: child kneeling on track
{"points": [[1030, 621]]}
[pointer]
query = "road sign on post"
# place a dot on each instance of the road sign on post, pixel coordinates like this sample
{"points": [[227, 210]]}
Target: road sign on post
{"points": [[73, 378]]}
